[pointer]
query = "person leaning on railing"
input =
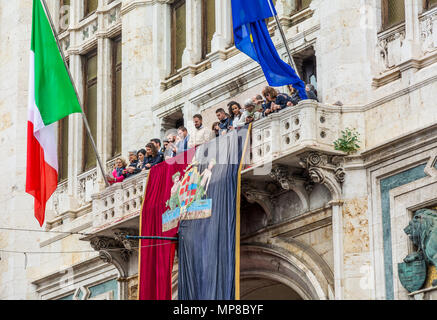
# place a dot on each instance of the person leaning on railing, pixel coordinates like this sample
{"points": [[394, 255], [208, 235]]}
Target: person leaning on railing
{"points": [[277, 101], [250, 114], [152, 156], [117, 173], [133, 160]]}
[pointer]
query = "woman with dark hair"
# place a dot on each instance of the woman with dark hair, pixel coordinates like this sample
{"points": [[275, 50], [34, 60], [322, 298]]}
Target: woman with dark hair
{"points": [[152, 156], [237, 117], [141, 155], [216, 128]]}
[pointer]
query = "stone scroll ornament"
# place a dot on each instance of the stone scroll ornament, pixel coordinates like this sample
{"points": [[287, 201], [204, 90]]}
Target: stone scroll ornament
{"points": [[422, 231]]}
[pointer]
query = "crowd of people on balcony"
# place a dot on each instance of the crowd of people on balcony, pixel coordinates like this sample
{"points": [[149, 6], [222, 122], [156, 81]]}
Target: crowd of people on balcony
{"points": [[235, 117]]}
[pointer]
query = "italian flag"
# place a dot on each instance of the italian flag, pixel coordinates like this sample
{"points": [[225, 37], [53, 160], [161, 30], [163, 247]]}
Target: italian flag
{"points": [[51, 98]]}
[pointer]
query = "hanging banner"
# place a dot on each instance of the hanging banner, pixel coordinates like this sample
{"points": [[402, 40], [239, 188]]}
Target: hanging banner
{"points": [[209, 227]]}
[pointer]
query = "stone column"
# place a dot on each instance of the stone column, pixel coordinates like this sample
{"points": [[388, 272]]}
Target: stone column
{"points": [[138, 71], [161, 44], [193, 50], [411, 44], [76, 124], [222, 38], [104, 91]]}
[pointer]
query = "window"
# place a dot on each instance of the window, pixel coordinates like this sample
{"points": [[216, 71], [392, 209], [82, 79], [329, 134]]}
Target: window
{"points": [[430, 4], [178, 32], [63, 149], [90, 109], [89, 6], [302, 4], [208, 25], [64, 15], [307, 66], [116, 98], [393, 13]]}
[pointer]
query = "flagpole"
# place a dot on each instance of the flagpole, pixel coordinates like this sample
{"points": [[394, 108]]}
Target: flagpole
{"points": [[281, 31], [85, 121]]}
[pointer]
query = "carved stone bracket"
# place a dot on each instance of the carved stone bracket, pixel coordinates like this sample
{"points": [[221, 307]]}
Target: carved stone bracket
{"points": [[324, 169], [282, 175], [116, 250]]}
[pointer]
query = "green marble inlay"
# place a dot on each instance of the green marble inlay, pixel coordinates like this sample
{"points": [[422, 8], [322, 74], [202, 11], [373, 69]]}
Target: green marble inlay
{"points": [[70, 297], [107, 286], [386, 185]]}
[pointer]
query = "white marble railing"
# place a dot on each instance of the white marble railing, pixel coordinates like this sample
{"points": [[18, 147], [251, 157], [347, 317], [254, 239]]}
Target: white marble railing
{"points": [[390, 47], [428, 30], [86, 186], [309, 124], [118, 202]]}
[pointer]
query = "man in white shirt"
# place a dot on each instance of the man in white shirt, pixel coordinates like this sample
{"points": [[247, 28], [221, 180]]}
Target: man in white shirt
{"points": [[200, 134]]}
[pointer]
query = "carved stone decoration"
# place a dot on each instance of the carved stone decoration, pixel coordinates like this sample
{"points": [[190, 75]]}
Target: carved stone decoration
{"points": [[385, 45], [429, 42], [340, 174], [324, 169], [101, 243], [282, 175], [117, 249], [422, 231], [316, 175], [105, 256], [120, 235]]}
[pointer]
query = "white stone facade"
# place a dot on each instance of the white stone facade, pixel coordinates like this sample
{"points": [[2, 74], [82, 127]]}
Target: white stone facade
{"points": [[315, 225]]}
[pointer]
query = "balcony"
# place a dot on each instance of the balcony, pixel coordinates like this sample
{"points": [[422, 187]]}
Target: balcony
{"points": [[309, 125], [281, 139], [292, 149]]}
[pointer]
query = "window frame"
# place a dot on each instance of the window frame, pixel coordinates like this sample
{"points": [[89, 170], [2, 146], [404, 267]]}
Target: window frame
{"points": [[115, 67], [427, 6], [86, 84], [299, 5], [204, 29], [174, 6], [384, 16], [85, 13]]}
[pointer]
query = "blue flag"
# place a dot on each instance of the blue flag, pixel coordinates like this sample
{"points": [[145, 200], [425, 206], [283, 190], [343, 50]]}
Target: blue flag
{"points": [[208, 219], [252, 37]]}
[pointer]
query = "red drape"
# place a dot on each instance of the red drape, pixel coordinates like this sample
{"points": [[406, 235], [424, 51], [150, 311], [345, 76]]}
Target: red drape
{"points": [[156, 256]]}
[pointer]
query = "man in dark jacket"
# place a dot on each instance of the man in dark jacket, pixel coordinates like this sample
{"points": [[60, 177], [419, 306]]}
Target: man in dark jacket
{"points": [[311, 92], [225, 121]]}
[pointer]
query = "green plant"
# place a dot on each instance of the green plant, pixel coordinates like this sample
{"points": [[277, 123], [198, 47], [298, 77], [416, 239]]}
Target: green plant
{"points": [[348, 142]]}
